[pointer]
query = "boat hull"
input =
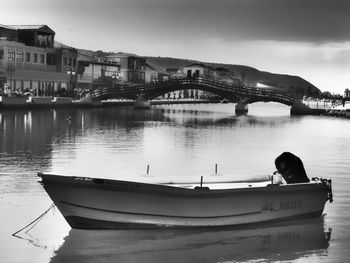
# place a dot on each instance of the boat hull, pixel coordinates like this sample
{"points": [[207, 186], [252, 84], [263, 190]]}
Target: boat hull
{"points": [[89, 203]]}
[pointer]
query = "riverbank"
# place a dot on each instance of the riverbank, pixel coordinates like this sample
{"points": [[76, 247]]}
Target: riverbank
{"points": [[325, 108], [64, 102], [13, 103], [339, 111]]}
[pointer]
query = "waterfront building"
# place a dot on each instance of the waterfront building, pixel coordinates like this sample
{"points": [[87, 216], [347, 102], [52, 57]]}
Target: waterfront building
{"points": [[30, 61], [94, 75], [214, 73], [2, 80], [132, 67], [95, 71], [172, 71], [198, 70], [154, 73]]}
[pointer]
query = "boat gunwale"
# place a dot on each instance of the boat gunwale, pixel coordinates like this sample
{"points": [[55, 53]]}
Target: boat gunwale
{"points": [[161, 189]]}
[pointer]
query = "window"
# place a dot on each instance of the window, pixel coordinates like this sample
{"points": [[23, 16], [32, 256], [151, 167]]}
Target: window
{"points": [[11, 55], [130, 63], [19, 56], [74, 62], [1, 54], [51, 59], [27, 57], [70, 62], [116, 60], [35, 58], [65, 61], [42, 58]]}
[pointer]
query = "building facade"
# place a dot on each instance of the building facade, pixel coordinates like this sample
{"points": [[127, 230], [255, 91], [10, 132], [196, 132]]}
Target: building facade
{"points": [[215, 73], [198, 70], [30, 62], [154, 73], [132, 67], [92, 75]]}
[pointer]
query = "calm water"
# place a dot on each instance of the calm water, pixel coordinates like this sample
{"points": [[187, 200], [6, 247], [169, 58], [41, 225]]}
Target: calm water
{"points": [[180, 143]]}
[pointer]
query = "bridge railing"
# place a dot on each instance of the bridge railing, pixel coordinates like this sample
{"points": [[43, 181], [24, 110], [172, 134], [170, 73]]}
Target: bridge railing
{"points": [[237, 88], [223, 86]]}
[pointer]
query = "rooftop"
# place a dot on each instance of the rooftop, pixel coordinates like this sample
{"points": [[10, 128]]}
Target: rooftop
{"points": [[26, 26], [111, 64], [198, 65], [7, 27], [42, 28], [157, 69], [122, 54]]}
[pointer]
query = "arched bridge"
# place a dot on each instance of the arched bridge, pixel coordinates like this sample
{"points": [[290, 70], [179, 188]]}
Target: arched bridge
{"points": [[231, 92]]}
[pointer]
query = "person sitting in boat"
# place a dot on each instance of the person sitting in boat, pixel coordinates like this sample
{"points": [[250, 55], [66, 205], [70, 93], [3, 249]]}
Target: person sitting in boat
{"points": [[291, 168]]}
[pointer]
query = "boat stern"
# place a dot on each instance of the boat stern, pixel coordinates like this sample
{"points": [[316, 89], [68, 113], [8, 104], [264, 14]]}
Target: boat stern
{"points": [[328, 185]]}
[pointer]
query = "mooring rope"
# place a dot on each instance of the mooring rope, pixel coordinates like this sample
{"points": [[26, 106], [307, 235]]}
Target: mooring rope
{"points": [[34, 222]]}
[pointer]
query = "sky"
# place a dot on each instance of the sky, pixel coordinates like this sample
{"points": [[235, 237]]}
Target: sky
{"points": [[307, 38]]}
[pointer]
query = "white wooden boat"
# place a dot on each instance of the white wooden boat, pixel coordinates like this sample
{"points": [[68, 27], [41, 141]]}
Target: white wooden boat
{"points": [[93, 203]]}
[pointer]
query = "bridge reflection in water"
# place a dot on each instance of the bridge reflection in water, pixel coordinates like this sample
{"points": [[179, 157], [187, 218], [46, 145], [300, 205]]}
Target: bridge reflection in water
{"points": [[238, 93], [286, 241]]}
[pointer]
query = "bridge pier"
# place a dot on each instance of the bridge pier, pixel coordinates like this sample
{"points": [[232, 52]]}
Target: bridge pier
{"points": [[241, 108], [142, 104], [299, 108]]}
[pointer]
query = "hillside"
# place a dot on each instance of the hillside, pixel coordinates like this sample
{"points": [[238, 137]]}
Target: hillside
{"points": [[291, 83]]}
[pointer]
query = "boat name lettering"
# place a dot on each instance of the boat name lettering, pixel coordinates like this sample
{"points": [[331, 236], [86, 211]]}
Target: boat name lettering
{"points": [[292, 204]]}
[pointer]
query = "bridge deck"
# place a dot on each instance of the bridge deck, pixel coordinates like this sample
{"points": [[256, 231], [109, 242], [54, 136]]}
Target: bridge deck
{"points": [[232, 92]]}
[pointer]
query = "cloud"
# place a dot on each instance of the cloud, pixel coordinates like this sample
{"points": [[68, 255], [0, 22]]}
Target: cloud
{"points": [[314, 21], [292, 20]]}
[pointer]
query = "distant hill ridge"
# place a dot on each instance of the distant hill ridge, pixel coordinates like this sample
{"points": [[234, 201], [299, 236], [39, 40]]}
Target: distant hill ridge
{"points": [[288, 82]]}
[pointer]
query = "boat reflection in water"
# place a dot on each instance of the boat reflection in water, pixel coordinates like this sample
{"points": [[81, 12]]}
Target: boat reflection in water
{"points": [[289, 240]]}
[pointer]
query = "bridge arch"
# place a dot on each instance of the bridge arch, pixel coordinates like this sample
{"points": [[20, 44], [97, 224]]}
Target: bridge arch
{"points": [[232, 92], [191, 86]]}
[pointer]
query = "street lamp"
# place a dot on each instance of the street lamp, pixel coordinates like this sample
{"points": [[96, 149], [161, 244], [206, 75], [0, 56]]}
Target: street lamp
{"points": [[115, 75], [71, 72], [11, 69]]}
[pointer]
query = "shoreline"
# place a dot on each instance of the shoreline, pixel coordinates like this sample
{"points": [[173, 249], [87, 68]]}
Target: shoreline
{"points": [[51, 104], [339, 113]]}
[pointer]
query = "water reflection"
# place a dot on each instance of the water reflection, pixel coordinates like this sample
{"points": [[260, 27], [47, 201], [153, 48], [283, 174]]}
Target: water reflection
{"points": [[198, 118], [34, 131], [274, 242]]}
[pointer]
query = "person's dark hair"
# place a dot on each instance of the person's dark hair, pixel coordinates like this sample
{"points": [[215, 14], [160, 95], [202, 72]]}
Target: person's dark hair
{"points": [[291, 168]]}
